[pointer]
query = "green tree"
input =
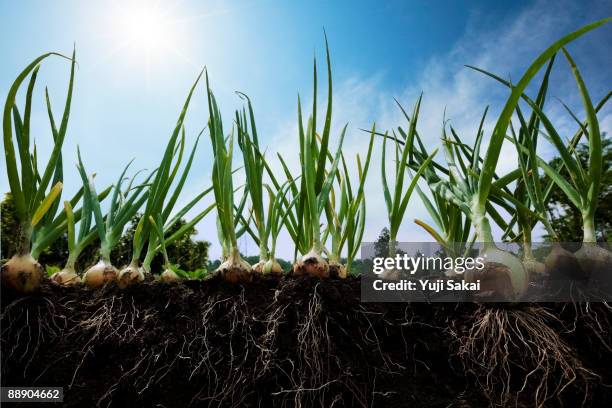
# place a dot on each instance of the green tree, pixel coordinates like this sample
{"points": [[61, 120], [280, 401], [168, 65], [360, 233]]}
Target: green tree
{"points": [[9, 227], [57, 252], [381, 246], [185, 252], [565, 218]]}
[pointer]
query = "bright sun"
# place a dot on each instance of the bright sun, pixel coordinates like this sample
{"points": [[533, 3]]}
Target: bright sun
{"points": [[148, 35], [145, 26], [146, 30]]}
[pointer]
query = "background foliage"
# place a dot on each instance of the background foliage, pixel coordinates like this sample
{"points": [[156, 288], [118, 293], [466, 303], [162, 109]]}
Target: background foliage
{"points": [[565, 218]]}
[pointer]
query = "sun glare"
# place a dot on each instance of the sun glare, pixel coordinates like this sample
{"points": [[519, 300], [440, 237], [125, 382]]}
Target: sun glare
{"points": [[148, 37], [145, 27]]}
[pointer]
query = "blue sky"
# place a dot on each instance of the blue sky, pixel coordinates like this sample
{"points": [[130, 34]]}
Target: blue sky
{"points": [[128, 95]]}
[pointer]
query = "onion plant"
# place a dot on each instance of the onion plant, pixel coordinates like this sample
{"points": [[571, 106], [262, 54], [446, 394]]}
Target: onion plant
{"points": [[278, 210], [172, 272], [302, 217], [397, 203], [452, 229], [234, 269], [316, 182], [453, 189], [161, 201], [165, 238], [583, 185], [268, 223], [254, 168], [346, 224], [311, 189], [529, 188], [168, 273], [36, 195], [169, 220], [465, 177], [123, 206], [316, 199], [76, 244], [292, 221]]}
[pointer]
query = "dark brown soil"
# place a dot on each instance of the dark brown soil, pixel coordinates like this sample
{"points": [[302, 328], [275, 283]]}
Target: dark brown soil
{"points": [[274, 342]]}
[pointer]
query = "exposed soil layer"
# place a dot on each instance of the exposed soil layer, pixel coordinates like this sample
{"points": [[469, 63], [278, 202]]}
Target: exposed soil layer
{"points": [[284, 342]]}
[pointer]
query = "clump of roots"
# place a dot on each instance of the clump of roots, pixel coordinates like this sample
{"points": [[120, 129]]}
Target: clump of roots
{"points": [[311, 264], [45, 322], [514, 351], [22, 273], [311, 373]]}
